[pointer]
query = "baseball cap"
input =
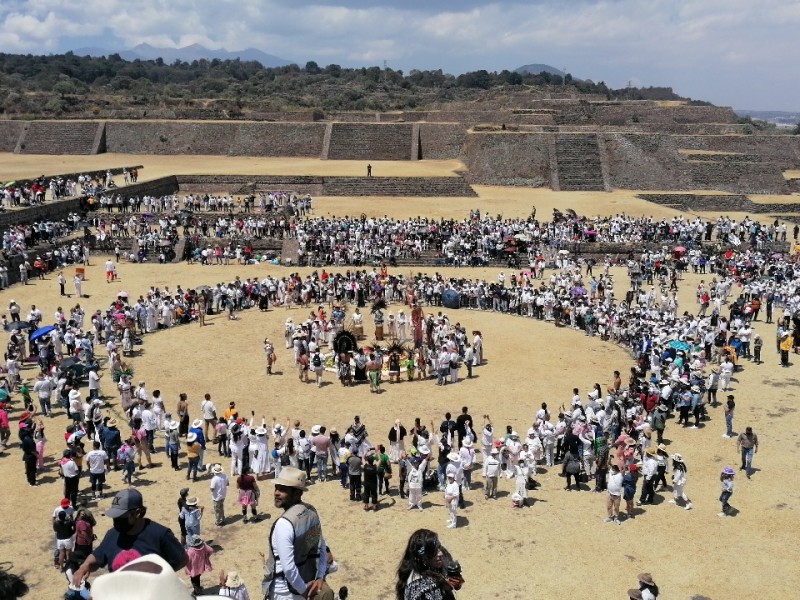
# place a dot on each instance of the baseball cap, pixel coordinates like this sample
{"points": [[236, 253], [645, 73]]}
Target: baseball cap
{"points": [[125, 501]]}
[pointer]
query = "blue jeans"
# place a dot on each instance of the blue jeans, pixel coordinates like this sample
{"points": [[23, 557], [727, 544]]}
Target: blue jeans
{"points": [[729, 424], [443, 373], [321, 460], [747, 459], [45, 404], [441, 472], [343, 474], [724, 497], [193, 464]]}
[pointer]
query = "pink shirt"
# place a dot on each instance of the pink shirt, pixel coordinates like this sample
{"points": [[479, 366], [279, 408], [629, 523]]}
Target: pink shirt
{"points": [[199, 560]]}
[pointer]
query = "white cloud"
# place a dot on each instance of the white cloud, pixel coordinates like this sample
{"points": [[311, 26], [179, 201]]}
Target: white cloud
{"points": [[698, 46]]}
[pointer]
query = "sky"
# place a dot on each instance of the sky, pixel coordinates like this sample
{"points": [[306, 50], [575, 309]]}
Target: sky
{"points": [[737, 53]]}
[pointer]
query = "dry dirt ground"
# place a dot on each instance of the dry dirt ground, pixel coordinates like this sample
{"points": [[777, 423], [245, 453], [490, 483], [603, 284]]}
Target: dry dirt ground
{"points": [[558, 548]]}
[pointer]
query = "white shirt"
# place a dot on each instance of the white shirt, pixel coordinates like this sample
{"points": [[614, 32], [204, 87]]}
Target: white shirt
{"points": [[208, 408], [96, 459], [219, 487]]}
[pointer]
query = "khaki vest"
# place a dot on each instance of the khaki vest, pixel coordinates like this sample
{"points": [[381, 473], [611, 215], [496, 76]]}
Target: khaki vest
{"points": [[307, 536]]}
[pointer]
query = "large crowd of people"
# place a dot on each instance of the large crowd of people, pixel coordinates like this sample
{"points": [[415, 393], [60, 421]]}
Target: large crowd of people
{"points": [[608, 439]]}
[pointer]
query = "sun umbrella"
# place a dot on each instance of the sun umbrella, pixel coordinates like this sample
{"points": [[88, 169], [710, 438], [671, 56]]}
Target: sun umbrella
{"points": [[510, 249], [41, 331], [122, 294], [679, 345], [18, 326], [200, 288], [523, 237], [563, 252], [680, 249], [10, 183], [777, 255]]}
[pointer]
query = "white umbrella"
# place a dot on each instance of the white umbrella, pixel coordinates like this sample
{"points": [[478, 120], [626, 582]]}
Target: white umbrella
{"points": [[564, 252]]}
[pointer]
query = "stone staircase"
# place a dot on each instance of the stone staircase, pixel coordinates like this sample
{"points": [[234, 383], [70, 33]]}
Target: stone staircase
{"points": [[374, 141], [398, 186], [62, 137], [579, 166]]}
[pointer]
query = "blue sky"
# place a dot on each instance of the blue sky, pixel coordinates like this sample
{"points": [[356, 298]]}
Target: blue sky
{"points": [[736, 53]]}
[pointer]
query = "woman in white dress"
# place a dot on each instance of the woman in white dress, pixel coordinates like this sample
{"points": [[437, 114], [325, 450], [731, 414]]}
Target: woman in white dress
{"points": [[152, 320], [127, 341], [261, 463], [397, 444], [237, 448], [158, 409]]}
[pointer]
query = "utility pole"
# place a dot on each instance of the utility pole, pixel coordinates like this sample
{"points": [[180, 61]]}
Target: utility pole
{"points": [[385, 67]]}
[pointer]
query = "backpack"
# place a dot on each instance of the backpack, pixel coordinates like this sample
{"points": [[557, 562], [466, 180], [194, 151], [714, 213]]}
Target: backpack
{"points": [[316, 361], [122, 454]]}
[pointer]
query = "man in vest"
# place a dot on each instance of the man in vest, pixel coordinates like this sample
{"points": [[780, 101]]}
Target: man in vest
{"points": [[297, 556]]}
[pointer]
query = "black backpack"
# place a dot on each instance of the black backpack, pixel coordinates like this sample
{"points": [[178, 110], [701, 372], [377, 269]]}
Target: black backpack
{"points": [[316, 361]]}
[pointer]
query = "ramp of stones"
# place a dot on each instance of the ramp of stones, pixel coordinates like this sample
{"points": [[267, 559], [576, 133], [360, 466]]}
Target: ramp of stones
{"points": [[361, 141], [59, 137], [578, 158]]}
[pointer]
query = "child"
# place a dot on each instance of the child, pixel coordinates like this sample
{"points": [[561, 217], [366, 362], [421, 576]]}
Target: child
{"points": [[409, 366], [679, 482], [232, 586], [125, 456], [64, 527], [192, 514], [199, 561], [726, 478], [629, 481]]}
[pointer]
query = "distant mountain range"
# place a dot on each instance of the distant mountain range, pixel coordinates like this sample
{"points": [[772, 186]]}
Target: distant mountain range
{"points": [[537, 68], [186, 54], [780, 118]]}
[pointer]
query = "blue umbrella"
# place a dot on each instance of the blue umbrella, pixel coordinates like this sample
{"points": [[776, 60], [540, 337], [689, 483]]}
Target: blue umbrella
{"points": [[41, 331], [679, 345]]}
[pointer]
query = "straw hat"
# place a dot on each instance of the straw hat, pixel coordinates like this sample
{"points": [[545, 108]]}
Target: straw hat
{"points": [[197, 423], [173, 425], [216, 469], [233, 580], [146, 578], [630, 442], [315, 430], [191, 501], [261, 431], [650, 451], [677, 457], [191, 438], [467, 443], [646, 578], [453, 456], [293, 478]]}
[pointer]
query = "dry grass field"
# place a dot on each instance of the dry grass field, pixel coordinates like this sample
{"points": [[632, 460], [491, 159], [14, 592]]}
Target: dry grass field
{"points": [[558, 548]]}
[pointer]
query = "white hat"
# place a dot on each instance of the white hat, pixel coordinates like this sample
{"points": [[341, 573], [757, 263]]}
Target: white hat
{"points": [[451, 475], [217, 468], [261, 431], [453, 456], [467, 443], [494, 451], [133, 582], [293, 478], [173, 425], [191, 438], [197, 423], [423, 449], [315, 430]]}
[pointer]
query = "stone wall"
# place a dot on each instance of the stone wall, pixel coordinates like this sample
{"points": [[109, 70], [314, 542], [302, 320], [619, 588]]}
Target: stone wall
{"points": [[652, 162], [440, 141], [784, 150], [495, 158], [218, 138], [721, 203], [641, 112], [10, 132]]}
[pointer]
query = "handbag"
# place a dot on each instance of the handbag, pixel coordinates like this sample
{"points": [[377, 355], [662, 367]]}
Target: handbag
{"points": [[583, 477]]}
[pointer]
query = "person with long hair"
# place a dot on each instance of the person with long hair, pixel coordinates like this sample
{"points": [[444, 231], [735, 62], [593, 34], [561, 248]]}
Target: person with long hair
{"points": [[420, 575]]}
